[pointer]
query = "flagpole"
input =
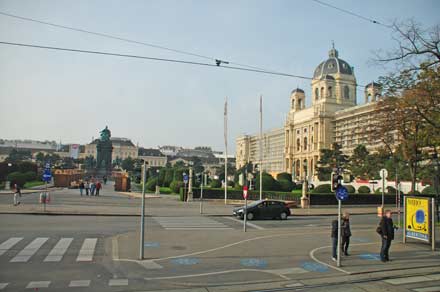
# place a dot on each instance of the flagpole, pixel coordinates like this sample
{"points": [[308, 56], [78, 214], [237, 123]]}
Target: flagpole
{"points": [[226, 148], [261, 147]]}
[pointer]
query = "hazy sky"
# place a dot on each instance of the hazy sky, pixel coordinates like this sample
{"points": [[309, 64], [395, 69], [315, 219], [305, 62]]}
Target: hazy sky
{"points": [[68, 96]]}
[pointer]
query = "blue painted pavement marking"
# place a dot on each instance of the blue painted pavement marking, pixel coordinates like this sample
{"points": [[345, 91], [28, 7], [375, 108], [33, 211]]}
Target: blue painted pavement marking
{"points": [[151, 244], [314, 267], [252, 262], [185, 261], [370, 256]]}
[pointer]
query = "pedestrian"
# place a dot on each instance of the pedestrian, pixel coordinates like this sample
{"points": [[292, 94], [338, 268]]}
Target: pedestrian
{"points": [[345, 233], [81, 187], [17, 195], [334, 237], [92, 188], [87, 187], [386, 231], [104, 179], [98, 187]]}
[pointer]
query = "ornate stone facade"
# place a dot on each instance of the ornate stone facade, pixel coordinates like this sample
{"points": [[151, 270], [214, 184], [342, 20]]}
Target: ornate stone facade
{"points": [[332, 117]]}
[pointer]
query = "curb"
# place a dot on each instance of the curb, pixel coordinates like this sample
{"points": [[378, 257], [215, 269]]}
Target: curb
{"points": [[47, 213]]}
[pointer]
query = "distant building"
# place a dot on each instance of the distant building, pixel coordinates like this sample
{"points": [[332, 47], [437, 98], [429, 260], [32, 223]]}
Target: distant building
{"points": [[168, 150], [153, 157], [332, 117]]}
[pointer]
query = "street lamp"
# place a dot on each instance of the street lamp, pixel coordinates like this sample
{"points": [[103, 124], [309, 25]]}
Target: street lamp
{"points": [[141, 241], [190, 192], [157, 182]]}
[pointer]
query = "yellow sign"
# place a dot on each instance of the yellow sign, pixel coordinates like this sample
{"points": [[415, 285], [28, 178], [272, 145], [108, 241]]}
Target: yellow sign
{"points": [[417, 218]]}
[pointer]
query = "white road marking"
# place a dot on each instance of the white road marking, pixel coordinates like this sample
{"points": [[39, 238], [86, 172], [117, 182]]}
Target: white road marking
{"points": [[407, 280], [24, 255], [118, 282], [247, 223], [56, 254], [190, 223], [312, 256], [287, 271], [79, 283], [87, 250], [428, 289], [434, 277], [38, 284], [3, 285], [115, 248], [5, 246], [150, 265], [294, 285]]}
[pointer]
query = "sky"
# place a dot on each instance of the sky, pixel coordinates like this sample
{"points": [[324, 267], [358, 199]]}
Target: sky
{"points": [[70, 97]]}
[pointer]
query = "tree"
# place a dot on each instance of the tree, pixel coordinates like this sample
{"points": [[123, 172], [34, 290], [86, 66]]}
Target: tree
{"points": [[330, 159], [18, 155], [414, 45], [359, 162], [128, 164]]}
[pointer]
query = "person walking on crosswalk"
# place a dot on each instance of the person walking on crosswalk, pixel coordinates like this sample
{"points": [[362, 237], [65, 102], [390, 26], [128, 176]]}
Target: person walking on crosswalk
{"points": [[17, 195]]}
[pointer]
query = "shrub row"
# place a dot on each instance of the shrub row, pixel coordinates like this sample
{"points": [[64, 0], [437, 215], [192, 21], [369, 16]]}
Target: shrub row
{"points": [[20, 178]]}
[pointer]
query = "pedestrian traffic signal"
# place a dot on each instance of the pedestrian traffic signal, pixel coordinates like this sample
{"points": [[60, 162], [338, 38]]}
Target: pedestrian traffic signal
{"points": [[335, 181]]}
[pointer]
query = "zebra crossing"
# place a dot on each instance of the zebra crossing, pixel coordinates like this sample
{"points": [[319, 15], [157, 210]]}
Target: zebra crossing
{"points": [[429, 282], [190, 223], [41, 245], [72, 284]]}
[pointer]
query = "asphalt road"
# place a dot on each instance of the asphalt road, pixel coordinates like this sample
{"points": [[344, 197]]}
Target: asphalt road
{"points": [[187, 251]]}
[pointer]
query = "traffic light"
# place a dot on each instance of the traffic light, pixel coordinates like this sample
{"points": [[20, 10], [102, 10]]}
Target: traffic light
{"points": [[335, 181]]}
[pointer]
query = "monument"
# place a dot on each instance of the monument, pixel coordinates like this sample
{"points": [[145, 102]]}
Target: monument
{"points": [[104, 150]]}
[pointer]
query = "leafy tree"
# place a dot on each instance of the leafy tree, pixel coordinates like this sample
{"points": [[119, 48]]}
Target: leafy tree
{"points": [[128, 164], [359, 162], [284, 176], [364, 190], [18, 155], [269, 183], [330, 159]]}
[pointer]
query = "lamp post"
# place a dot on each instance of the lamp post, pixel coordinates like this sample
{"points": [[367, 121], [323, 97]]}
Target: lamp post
{"points": [[190, 192], [157, 182], [141, 241]]}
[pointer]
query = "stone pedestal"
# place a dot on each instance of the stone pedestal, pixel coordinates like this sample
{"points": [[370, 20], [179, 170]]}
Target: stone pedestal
{"points": [[157, 190], [7, 185], [305, 202]]}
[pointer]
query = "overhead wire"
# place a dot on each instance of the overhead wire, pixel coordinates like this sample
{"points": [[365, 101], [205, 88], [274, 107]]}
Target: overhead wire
{"points": [[352, 13], [158, 59]]}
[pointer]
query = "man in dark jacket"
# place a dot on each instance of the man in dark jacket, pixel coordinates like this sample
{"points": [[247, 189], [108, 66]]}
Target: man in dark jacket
{"points": [[334, 237], [386, 228], [345, 232]]}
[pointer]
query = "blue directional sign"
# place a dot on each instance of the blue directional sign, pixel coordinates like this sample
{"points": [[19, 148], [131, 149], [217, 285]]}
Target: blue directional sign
{"points": [[341, 193], [185, 178], [47, 174]]}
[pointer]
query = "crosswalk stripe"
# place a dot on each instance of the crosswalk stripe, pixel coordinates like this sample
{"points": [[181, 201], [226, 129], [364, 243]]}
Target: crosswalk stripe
{"points": [[56, 254], [24, 255], [5, 246], [118, 282], [38, 284], [428, 289], [87, 250], [190, 223], [407, 280], [3, 285], [79, 283]]}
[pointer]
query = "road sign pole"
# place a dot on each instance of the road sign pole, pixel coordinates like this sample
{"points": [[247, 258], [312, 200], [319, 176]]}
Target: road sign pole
{"points": [[141, 241], [245, 214], [201, 195], [404, 220], [433, 224], [338, 263], [383, 190]]}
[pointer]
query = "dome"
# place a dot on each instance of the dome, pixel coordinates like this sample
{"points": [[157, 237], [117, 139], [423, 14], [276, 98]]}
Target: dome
{"points": [[332, 65], [374, 85], [297, 90]]}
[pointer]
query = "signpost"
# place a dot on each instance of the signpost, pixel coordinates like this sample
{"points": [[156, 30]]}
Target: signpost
{"points": [[245, 196], [341, 194], [383, 175], [203, 181], [185, 181], [47, 177]]}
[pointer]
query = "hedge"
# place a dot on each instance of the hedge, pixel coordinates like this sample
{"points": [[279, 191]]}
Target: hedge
{"points": [[21, 178], [364, 190], [350, 189], [219, 193], [151, 184], [176, 185], [215, 183], [321, 189]]}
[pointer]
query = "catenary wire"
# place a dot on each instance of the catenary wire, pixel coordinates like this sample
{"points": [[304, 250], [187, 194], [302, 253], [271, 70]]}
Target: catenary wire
{"points": [[158, 59], [352, 13], [126, 40]]}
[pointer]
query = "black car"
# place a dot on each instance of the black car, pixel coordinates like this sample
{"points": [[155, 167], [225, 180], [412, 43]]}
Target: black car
{"points": [[264, 209]]}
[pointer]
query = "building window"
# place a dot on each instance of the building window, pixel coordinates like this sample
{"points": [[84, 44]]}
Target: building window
{"points": [[293, 103], [322, 91], [305, 143], [299, 104], [330, 93], [298, 144], [346, 92], [316, 93]]}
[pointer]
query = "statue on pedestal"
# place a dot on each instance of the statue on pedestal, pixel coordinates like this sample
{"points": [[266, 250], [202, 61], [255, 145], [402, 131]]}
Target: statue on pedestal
{"points": [[104, 152]]}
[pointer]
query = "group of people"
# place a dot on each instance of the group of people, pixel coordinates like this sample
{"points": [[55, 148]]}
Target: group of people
{"points": [[385, 229], [91, 187]]}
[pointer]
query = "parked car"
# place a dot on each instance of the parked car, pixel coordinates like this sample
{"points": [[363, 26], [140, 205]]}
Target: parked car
{"points": [[264, 209]]}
